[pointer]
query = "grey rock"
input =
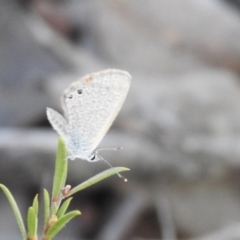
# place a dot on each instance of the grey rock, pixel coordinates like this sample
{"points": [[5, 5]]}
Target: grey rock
{"points": [[24, 65], [161, 36]]}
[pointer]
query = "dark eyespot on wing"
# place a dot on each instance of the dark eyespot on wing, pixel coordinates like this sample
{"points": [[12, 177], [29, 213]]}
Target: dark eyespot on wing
{"points": [[79, 91]]}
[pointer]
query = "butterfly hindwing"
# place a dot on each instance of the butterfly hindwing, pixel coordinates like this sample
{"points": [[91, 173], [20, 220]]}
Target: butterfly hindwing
{"points": [[58, 122]]}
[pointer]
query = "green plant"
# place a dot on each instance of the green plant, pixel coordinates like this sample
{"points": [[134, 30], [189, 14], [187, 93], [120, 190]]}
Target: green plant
{"points": [[55, 208]]}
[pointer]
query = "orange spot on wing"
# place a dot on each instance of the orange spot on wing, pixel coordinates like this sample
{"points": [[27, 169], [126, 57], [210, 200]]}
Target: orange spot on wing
{"points": [[88, 80]]}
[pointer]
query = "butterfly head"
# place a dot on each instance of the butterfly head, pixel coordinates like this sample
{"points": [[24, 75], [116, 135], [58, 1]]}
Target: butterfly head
{"points": [[93, 157]]}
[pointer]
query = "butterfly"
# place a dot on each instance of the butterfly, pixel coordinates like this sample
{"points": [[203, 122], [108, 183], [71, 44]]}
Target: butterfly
{"points": [[90, 106]]}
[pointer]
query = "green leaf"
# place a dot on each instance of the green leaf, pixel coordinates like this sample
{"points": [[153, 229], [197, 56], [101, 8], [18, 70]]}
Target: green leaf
{"points": [[15, 211], [61, 223], [46, 206], [61, 166], [97, 178], [32, 223], [63, 208], [35, 204]]}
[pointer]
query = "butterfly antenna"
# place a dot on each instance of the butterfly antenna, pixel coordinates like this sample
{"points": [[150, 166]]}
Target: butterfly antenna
{"points": [[119, 175], [112, 149]]}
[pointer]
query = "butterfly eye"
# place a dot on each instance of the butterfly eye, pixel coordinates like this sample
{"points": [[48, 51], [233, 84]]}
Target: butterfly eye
{"points": [[92, 158], [79, 91]]}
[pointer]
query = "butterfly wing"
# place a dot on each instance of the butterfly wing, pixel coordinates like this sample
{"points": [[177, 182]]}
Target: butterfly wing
{"points": [[58, 122], [92, 103]]}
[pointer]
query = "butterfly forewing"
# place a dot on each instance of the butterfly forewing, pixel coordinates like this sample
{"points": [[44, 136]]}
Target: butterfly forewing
{"points": [[91, 105]]}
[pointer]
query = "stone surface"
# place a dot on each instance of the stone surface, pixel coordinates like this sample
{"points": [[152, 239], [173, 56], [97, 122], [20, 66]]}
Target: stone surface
{"points": [[24, 65], [161, 36]]}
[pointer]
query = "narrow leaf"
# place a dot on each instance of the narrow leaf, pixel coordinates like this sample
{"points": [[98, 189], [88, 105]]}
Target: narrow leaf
{"points": [[32, 223], [15, 211], [35, 205], [61, 223], [46, 206], [61, 166], [63, 208], [97, 178]]}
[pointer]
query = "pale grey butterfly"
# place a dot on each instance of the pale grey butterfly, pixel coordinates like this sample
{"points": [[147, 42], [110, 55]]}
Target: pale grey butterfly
{"points": [[90, 106]]}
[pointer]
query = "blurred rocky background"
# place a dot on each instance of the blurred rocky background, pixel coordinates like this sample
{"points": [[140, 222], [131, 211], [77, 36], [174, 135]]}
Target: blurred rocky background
{"points": [[179, 127]]}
